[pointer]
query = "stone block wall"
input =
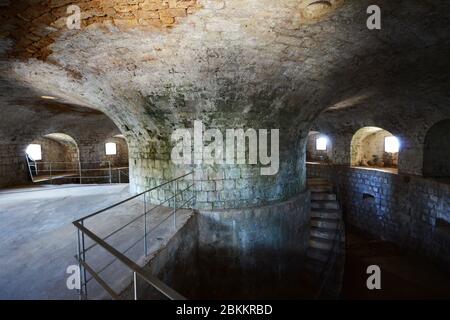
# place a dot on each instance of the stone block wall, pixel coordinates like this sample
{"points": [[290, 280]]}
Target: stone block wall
{"points": [[399, 208], [216, 187], [92, 149], [13, 167]]}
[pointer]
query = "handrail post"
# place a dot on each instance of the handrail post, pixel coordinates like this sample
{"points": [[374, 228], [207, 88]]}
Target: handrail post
{"points": [[79, 169], [119, 173], [51, 178], [135, 285], [145, 225], [175, 205], [80, 291], [194, 193], [110, 177], [83, 255]]}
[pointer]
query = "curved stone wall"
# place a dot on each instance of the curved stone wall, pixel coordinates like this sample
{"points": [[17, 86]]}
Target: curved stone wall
{"points": [[219, 186], [252, 252]]}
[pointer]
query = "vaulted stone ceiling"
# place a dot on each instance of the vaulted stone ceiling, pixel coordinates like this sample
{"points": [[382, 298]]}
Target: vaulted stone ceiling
{"points": [[153, 65]]}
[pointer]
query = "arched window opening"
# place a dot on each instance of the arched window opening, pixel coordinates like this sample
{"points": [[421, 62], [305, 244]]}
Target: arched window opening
{"points": [[318, 148], [375, 147]]}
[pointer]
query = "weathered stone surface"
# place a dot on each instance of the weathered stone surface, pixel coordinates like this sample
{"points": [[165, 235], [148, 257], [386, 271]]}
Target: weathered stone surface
{"points": [[235, 64]]}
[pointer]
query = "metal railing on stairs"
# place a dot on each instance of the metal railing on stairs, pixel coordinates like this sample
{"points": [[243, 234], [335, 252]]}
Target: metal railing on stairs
{"points": [[176, 201], [331, 275]]}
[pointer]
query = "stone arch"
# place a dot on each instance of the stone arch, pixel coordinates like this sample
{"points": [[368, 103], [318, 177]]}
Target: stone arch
{"points": [[368, 148], [60, 156], [58, 147], [436, 156]]}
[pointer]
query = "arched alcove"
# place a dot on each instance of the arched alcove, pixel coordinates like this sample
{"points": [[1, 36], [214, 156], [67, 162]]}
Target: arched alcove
{"points": [[318, 148], [119, 156], [57, 148], [436, 161], [374, 147], [52, 156]]}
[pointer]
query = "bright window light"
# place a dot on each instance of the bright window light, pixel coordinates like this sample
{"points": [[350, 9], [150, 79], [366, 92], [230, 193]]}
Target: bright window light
{"points": [[34, 152], [391, 144], [111, 149], [321, 144]]}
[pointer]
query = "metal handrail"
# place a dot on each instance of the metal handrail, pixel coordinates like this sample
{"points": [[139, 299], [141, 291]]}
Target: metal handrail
{"points": [[331, 259], [136, 269], [149, 278], [337, 240], [120, 173], [131, 198], [140, 216], [75, 172]]}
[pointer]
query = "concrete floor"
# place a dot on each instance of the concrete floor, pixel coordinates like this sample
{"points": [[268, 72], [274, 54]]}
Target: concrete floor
{"points": [[38, 240]]}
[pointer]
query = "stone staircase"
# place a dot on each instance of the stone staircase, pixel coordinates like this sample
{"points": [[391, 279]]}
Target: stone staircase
{"points": [[325, 217]]}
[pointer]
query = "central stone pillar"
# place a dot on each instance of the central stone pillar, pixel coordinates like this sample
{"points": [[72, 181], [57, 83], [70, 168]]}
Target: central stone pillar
{"points": [[217, 186]]}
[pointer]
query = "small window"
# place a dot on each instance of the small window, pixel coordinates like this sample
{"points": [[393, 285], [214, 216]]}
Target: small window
{"points": [[111, 149], [34, 152], [321, 144], [391, 144]]}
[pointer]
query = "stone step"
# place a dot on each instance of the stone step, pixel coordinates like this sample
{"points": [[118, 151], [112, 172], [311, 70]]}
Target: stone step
{"points": [[321, 188], [324, 223], [324, 204], [326, 213], [317, 254], [323, 196], [320, 243], [322, 233]]}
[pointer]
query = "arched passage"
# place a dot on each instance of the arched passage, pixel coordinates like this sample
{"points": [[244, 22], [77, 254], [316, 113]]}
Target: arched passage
{"points": [[374, 147], [436, 161]]}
